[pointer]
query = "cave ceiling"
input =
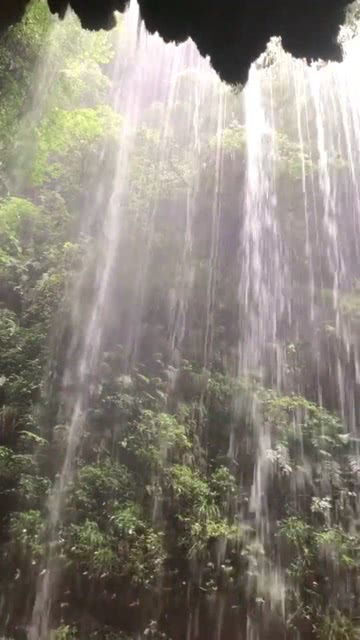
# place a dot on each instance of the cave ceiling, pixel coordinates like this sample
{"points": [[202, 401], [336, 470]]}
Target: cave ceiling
{"points": [[232, 32]]}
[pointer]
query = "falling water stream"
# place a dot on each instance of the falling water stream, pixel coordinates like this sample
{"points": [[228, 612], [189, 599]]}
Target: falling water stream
{"points": [[286, 262], [151, 67]]}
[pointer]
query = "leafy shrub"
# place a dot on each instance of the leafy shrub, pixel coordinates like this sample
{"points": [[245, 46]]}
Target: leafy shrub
{"points": [[26, 530], [157, 439], [336, 626], [133, 553], [100, 488]]}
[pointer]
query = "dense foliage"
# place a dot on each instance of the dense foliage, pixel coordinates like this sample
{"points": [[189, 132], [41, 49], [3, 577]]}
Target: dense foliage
{"points": [[158, 518]]}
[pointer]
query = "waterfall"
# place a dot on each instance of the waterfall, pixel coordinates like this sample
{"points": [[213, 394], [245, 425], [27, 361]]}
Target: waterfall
{"points": [[151, 69], [204, 348], [84, 349]]}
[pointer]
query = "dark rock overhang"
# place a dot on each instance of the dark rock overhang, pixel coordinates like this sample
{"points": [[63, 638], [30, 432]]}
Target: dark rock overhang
{"points": [[232, 32]]}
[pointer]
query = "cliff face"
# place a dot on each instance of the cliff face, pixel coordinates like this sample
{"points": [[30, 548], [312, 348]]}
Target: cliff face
{"points": [[232, 33]]}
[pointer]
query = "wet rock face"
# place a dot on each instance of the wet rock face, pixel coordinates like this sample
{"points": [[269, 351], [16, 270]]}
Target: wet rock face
{"points": [[232, 32]]}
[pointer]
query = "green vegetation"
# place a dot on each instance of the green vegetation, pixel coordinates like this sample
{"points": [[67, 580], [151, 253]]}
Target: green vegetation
{"points": [[159, 517]]}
